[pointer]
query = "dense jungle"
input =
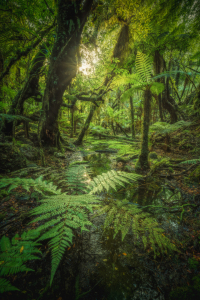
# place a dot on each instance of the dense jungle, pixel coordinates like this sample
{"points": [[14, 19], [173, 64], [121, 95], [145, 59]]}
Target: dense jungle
{"points": [[99, 149]]}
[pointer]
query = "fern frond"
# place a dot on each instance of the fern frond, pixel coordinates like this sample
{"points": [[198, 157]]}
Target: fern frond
{"points": [[163, 127], [38, 184], [66, 212], [124, 216], [14, 254], [143, 66], [191, 161], [111, 179], [11, 118], [76, 178], [169, 73], [6, 286]]}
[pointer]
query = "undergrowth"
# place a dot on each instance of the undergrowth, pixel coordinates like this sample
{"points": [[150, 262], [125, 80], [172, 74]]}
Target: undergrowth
{"points": [[62, 213]]}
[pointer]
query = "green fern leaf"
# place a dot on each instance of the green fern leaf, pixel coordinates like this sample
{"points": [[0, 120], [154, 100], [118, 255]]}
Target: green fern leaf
{"points": [[143, 66], [110, 179], [6, 286], [66, 212], [191, 161]]}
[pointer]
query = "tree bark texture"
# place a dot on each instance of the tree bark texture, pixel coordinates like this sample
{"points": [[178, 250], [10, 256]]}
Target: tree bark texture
{"points": [[63, 64], [143, 158], [86, 125]]}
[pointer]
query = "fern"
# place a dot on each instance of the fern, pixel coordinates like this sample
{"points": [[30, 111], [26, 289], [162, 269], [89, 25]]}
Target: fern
{"points": [[164, 128], [124, 216], [38, 184], [14, 254], [192, 161], [111, 179], [76, 179], [11, 118], [143, 66], [61, 214]]}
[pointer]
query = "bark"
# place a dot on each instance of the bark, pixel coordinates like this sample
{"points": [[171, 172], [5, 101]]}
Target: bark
{"points": [[1, 82], [63, 65], [86, 125], [132, 117], [30, 89], [159, 68], [165, 100], [143, 158]]}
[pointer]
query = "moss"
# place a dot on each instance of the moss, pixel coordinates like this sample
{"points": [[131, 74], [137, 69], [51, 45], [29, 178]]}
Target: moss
{"points": [[3, 193], [153, 155]]}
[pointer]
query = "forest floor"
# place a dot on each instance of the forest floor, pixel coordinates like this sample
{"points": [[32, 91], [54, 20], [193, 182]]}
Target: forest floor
{"points": [[178, 274]]}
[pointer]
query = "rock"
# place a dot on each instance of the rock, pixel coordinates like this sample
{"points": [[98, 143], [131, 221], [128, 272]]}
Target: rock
{"points": [[59, 155]]}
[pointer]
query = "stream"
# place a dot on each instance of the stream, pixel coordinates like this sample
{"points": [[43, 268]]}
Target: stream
{"points": [[111, 269]]}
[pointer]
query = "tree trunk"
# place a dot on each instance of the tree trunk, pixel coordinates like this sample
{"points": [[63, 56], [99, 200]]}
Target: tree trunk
{"points": [[1, 82], [143, 157], [63, 65], [132, 118], [72, 123], [86, 125], [30, 89]]}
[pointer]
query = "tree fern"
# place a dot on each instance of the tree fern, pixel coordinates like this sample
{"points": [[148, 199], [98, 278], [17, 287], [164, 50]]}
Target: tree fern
{"points": [[110, 180], [14, 254]]}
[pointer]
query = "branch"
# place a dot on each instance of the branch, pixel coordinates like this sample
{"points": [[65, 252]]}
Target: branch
{"points": [[51, 11], [25, 52]]}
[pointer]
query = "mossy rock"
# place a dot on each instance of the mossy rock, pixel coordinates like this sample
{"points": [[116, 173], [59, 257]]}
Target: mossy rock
{"points": [[153, 155]]}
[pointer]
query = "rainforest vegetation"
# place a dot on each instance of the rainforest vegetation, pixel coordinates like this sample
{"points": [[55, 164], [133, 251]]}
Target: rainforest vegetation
{"points": [[99, 149]]}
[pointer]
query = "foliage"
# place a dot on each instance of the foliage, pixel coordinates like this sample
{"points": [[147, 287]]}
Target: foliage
{"points": [[159, 164], [123, 215], [76, 178], [38, 184], [14, 254], [165, 128], [191, 161], [111, 179], [62, 214], [11, 118]]}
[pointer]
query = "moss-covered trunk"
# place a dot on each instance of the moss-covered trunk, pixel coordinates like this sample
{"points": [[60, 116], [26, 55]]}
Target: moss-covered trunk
{"points": [[132, 118], [30, 88], [86, 125], [71, 19], [143, 162]]}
